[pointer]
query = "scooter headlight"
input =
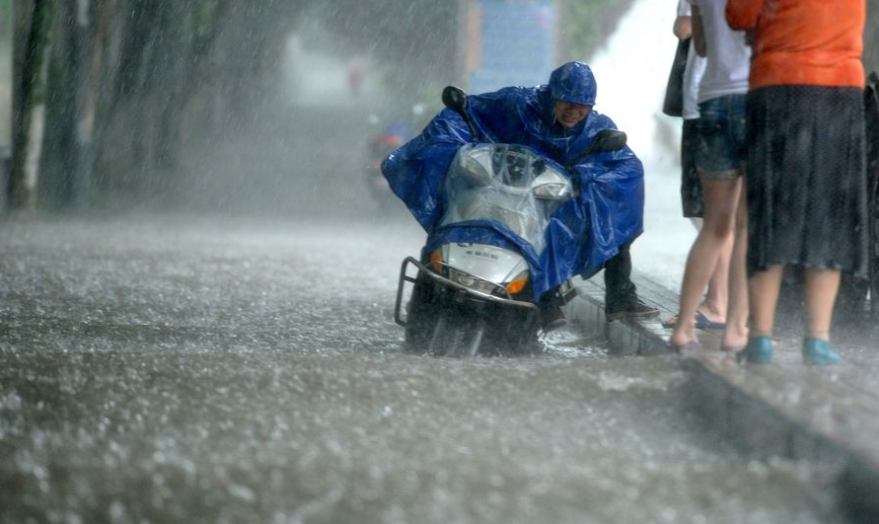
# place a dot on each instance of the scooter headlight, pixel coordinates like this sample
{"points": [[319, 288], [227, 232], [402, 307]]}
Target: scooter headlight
{"points": [[462, 278], [474, 283]]}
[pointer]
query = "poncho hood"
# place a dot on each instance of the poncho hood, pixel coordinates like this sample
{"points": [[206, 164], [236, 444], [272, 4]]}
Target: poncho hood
{"points": [[575, 83]]}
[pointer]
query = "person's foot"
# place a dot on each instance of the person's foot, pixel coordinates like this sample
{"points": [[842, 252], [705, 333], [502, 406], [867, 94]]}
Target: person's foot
{"points": [[758, 351], [685, 348], [711, 313], [552, 317], [817, 352], [634, 307]]}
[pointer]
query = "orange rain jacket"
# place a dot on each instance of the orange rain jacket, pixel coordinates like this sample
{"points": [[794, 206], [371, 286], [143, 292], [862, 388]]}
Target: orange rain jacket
{"points": [[803, 42]]}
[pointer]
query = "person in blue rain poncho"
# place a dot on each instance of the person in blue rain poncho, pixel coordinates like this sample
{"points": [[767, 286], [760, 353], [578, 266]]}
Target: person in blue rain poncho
{"points": [[592, 231]]}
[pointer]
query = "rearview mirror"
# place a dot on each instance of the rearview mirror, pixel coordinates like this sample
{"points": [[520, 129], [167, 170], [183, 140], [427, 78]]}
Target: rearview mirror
{"points": [[455, 98]]}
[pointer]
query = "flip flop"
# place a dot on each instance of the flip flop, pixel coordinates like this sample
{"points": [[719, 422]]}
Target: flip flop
{"points": [[692, 346], [702, 322]]}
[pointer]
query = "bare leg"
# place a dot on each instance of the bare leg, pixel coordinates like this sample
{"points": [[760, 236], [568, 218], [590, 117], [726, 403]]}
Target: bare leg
{"points": [[763, 287], [736, 332], [716, 298], [822, 286], [721, 197]]}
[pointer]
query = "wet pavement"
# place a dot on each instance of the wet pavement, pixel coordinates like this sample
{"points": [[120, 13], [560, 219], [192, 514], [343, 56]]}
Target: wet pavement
{"points": [[784, 409], [223, 369], [180, 369]]}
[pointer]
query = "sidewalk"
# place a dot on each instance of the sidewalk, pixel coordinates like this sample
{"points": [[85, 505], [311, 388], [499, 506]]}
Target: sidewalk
{"points": [[786, 408]]}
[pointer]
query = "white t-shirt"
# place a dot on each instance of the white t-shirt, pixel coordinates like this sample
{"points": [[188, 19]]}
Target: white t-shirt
{"points": [[729, 58], [693, 72]]}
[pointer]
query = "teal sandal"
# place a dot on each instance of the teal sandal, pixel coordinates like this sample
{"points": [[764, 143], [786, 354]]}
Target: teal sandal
{"points": [[758, 351], [817, 352]]}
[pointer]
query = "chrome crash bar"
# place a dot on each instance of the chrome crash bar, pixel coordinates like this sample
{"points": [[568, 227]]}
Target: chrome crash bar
{"points": [[445, 282]]}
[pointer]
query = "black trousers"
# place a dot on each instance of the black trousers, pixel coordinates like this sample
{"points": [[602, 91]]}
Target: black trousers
{"points": [[618, 285]]}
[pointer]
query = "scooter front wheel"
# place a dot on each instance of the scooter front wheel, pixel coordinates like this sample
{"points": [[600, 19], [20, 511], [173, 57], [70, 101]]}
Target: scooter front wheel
{"points": [[421, 318], [456, 335]]}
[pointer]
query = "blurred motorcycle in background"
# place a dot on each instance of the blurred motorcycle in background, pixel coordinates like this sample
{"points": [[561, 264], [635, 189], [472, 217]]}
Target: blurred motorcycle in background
{"points": [[387, 138]]}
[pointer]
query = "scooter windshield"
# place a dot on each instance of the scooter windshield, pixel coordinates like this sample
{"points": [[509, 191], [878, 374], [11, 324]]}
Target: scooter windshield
{"points": [[507, 184]]}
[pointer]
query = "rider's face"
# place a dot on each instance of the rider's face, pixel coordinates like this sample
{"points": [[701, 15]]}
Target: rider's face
{"points": [[569, 114]]}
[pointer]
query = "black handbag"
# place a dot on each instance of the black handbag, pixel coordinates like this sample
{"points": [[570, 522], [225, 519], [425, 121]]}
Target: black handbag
{"points": [[673, 105]]}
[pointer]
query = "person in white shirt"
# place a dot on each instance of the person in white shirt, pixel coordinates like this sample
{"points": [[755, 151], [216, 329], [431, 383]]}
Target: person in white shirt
{"points": [[711, 314], [720, 161]]}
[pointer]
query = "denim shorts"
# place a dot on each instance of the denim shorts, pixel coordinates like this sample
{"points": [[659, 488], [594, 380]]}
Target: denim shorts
{"points": [[721, 152]]}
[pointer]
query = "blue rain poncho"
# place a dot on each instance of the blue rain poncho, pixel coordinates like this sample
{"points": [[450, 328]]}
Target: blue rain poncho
{"points": [[583, 233]]}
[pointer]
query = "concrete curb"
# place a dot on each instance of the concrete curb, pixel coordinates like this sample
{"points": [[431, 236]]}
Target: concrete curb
{"points": [[784, 409]]}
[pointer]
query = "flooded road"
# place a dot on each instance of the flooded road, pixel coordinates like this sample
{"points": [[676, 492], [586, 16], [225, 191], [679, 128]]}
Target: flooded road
{"points": [[220, 369], [178, 369]]}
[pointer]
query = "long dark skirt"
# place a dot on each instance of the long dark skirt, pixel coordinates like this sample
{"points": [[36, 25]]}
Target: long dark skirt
{"points": [[806, 178]]}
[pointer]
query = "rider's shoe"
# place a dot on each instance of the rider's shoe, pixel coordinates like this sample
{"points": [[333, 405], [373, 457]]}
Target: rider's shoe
{"points": [[552, 317], [632, 307]]}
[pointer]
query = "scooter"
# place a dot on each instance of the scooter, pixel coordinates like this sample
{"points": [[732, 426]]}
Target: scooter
{"points": [[468, 299]]}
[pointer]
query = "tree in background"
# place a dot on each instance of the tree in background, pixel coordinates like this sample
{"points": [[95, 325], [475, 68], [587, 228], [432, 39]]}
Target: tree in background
{"points": [[30, 104], [117, 80]]}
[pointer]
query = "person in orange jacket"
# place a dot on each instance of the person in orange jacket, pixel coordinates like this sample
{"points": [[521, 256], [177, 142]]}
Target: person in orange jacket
{"points": [[806, 168]]}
